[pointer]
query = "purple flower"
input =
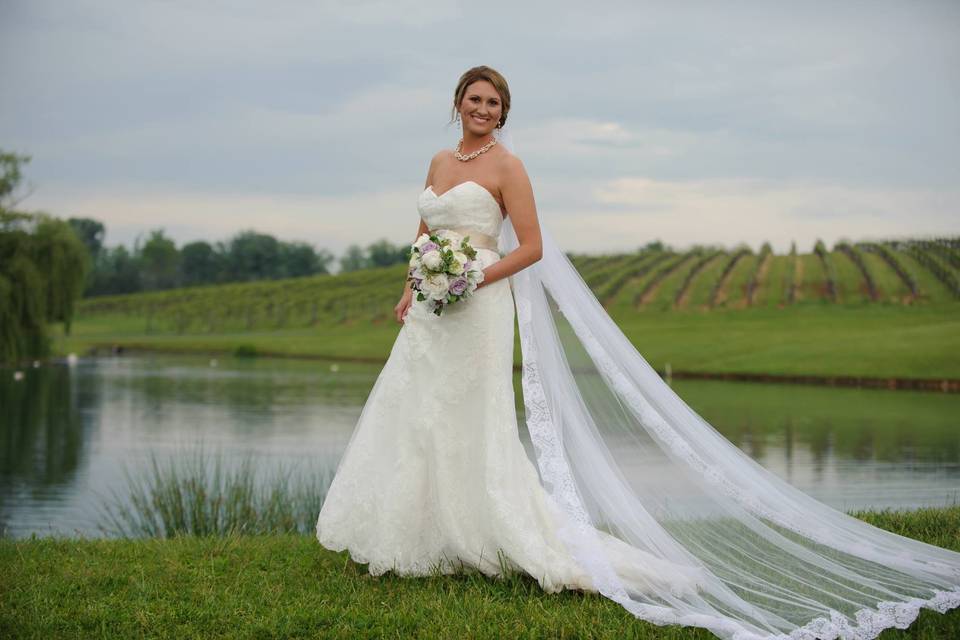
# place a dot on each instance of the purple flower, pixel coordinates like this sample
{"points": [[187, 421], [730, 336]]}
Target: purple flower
{"points": [[458, 286], [428, 246]]}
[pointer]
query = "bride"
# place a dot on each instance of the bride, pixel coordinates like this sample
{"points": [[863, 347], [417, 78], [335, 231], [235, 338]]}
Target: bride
{"points": [[634, 495]]}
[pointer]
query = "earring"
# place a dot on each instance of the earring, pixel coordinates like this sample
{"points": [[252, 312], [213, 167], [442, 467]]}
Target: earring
{"points": [[458, 117]]}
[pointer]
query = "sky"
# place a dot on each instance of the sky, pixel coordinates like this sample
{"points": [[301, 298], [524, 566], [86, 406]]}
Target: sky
{"points": [[715, 123]]}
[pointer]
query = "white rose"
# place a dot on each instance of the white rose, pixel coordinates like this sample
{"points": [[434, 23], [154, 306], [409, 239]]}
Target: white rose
{"points": [[422, 240], [432, 259], [435, 286], [414, 259]]}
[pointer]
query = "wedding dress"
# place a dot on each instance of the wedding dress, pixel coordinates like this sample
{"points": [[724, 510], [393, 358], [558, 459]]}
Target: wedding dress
{"points": [[638, 497], [435, 474]]}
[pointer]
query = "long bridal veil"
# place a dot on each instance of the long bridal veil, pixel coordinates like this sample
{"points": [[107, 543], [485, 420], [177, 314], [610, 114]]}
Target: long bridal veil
{"points": [[620, 452]]}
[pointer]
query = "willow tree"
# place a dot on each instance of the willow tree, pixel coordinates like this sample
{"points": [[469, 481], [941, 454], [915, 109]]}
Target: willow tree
{"points": [[43, 266]]}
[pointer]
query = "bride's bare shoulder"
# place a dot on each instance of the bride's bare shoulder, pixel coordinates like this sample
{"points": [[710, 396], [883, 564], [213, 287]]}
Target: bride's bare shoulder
{"points": [[511, 167], [441, 158], [442, 155]]}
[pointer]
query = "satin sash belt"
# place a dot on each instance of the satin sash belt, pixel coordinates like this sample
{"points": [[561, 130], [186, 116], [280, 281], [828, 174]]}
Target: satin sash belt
{"points": [[477, 239]]}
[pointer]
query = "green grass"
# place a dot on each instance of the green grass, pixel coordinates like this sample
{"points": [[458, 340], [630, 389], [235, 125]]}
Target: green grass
{"points": [[771, 292], [700, 288], [887, 341], [736, 286], [288, 586], [890, 285], [852, 285], [219, 558], [930, 287], [824, 339]]}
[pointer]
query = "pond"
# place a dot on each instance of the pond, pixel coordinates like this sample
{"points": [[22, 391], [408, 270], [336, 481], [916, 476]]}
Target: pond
{"points": [[70, 433]]}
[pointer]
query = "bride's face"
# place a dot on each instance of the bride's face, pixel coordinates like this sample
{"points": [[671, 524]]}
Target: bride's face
{"points": [[481, 108]]}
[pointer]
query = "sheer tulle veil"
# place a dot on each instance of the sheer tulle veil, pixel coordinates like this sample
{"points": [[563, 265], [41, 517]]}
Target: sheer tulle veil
{"points": [[619, 451]]}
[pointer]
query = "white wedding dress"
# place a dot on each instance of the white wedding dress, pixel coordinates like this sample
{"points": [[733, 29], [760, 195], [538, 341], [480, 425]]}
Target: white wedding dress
{"points": [[637, 496], [435, 474]]}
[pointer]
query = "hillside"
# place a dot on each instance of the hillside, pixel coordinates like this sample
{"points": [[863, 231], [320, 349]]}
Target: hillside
{"points": [[701, 279], [888, 308]]}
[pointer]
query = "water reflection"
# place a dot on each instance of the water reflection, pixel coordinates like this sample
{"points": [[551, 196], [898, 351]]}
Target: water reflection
{"points": [[850, 448], [68, 433]]}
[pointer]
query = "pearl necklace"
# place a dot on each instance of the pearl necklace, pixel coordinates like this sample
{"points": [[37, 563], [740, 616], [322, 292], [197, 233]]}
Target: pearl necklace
{"points": [[473, 155]]}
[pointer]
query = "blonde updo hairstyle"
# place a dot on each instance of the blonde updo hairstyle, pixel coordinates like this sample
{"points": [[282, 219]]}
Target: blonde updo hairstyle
{"points": [[490, 75]]}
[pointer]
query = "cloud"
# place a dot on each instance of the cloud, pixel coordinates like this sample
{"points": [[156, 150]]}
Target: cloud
{"points": [[333, 222], [800, 115], [584, 216], [628, 212]]}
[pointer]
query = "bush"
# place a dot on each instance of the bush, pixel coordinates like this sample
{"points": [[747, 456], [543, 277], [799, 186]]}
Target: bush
{"points": [[245, 351]]}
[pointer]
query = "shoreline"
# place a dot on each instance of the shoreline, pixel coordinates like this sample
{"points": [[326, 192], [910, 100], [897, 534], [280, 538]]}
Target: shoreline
{"points": [[945, 385], [941, 385], [898, 515]]}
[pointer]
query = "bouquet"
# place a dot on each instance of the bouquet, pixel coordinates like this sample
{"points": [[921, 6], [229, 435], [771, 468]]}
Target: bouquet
{"points": [[443, 268]]}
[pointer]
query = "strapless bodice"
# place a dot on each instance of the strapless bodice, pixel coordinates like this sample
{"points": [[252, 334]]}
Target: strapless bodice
{"points": [[467, 206]]}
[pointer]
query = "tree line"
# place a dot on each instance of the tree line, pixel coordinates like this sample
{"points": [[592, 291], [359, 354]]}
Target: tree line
{"points": [[157, 263], [47, 264]]}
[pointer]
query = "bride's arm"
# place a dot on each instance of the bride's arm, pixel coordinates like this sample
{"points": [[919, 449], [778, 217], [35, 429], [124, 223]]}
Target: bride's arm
{"points": [[406, 298], [517, 193], [422, 228]]}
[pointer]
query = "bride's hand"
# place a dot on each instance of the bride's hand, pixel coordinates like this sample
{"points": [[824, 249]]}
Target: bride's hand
{"points": [[400, 311], [483, 282]]}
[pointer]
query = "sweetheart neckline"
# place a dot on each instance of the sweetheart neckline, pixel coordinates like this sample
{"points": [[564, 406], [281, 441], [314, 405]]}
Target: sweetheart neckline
{"points": [[460, 184]]}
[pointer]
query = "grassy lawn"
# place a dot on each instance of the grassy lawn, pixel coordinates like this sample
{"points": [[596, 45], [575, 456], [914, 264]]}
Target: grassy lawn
{"points": [[288, 586], [875, 340], [870, 340]]}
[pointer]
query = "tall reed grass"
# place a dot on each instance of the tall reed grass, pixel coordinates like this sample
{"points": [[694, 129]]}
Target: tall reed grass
{"points": [[195, 493]]}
